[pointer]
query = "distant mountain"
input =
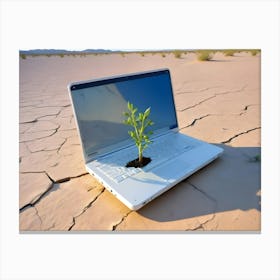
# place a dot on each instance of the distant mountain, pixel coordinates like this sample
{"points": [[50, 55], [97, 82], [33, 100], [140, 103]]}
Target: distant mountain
{"points": [[62, 51], [98, 51], [55, 51]]}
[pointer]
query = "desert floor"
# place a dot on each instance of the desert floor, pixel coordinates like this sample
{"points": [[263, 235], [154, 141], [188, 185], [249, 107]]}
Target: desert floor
{"points": [[217, 101]]}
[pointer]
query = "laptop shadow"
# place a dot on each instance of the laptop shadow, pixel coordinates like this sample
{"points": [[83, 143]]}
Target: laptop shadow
{"points": [[231, 182]]}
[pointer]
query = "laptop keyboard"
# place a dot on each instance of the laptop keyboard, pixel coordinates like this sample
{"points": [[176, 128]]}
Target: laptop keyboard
{"points": [[162, 150]]}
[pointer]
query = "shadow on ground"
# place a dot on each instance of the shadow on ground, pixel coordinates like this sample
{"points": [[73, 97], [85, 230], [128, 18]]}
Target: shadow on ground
{"points": [[231, 182]]}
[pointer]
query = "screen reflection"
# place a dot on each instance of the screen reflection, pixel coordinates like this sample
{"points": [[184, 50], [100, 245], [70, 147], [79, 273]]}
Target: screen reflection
{"points": [[99, 107]]}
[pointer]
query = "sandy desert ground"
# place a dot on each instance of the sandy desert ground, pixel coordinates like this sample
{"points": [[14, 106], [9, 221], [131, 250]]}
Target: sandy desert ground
{"points": [[217, 101]]}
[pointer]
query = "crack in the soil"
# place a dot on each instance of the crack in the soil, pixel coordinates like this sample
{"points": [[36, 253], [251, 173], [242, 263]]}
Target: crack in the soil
{"points": [[27, 148], [122, 219], [51, 227], [52, 106], [48, 115], [211, 219], [35, 200], [204, 100], [66, 179], [85, 209], [203, 192], [32, 204], [197, 119], [241, 133], [196, 228], [38, 118], [33, 121], [201, 226], [246, 108], [211, 97], [42, 150], [44, 172], [68, 129], [27, 131], [193, 91], [55, 131], [37, 213], [49, 150], [59, 148]]}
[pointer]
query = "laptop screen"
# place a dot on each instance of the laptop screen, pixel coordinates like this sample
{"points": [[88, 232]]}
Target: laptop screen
{"points": [[99, 107]]}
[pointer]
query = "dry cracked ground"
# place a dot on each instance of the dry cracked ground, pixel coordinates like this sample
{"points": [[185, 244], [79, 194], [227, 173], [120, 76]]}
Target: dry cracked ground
{"points": [[217, 101]]}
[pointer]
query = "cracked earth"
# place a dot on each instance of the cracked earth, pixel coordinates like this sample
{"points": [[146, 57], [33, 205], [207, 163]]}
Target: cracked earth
{"points": [[216, 101]]}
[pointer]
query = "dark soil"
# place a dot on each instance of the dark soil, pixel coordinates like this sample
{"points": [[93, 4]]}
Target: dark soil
{"points": [[135, 163]]}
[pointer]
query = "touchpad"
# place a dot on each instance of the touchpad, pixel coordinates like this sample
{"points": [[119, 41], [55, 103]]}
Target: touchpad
{"points": [[173, 170]]}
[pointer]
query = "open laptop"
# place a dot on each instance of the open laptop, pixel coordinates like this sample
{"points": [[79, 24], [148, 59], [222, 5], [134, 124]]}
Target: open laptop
{"points": [[107, 147]]}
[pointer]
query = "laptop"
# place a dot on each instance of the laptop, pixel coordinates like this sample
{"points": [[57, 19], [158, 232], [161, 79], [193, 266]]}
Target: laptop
{"points": [[99, 107]]}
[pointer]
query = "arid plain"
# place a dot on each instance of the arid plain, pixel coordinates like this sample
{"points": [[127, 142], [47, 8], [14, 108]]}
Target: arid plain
{"points": [[218, 101]]}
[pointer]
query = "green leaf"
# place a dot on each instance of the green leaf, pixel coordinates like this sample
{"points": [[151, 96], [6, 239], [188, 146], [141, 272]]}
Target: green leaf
{"points": [[147, 112], [139, 122], [145, 146]]}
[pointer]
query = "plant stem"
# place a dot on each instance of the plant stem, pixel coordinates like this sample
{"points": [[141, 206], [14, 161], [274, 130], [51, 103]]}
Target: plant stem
{"points": [[140, 156], [135, 125]]}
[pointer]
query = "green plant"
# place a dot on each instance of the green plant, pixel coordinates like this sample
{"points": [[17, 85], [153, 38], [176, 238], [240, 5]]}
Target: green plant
{"points": [[254, 52], [23, 56], [257, 158], [163, 55], [177, 53], [229, 52], [140, 123], [204, 55]]}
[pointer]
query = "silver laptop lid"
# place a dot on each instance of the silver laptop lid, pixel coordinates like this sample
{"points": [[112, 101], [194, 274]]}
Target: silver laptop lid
{"points": [[99, 105]]}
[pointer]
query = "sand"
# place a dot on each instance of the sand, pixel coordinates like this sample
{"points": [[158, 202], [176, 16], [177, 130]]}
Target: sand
{"points": [[217, 101]]}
